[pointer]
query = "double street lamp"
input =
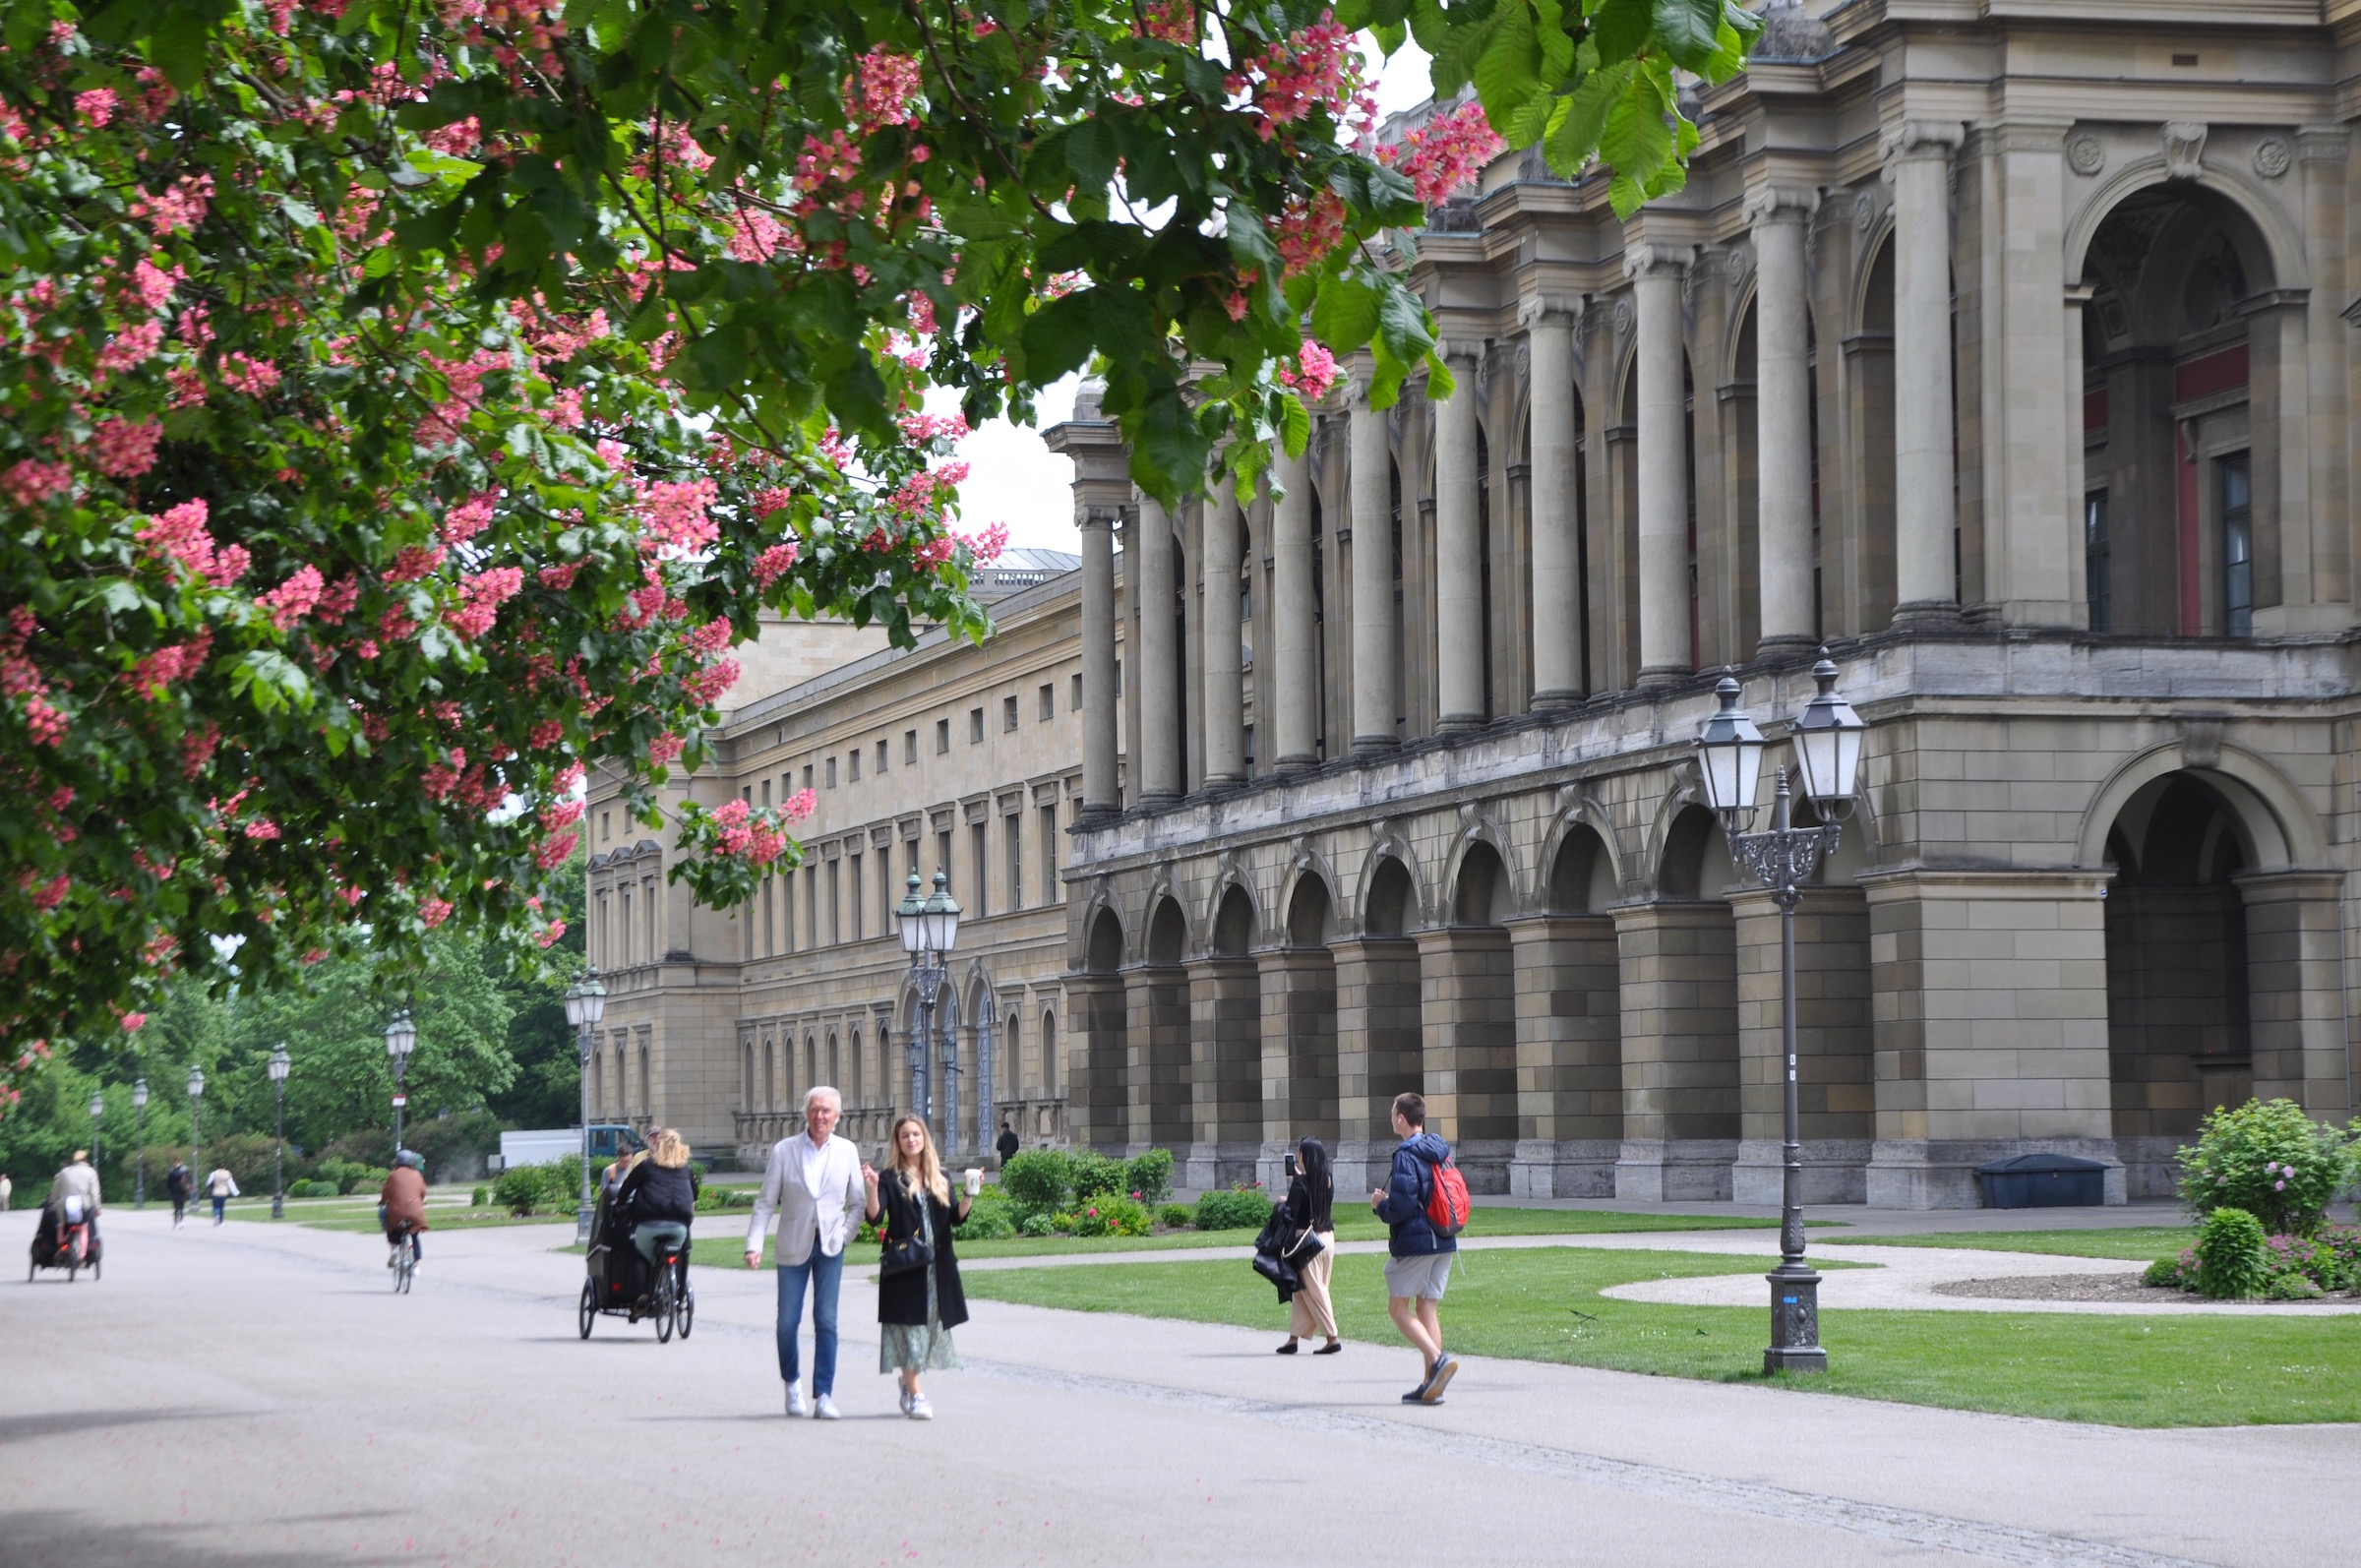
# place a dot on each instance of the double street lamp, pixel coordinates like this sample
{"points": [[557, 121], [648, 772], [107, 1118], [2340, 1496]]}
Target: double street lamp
{"points": [[586, 1004], [401, 1038], [1827, 763], [196, 1139], [281, 1061], [138, 1114], [929, 927]]}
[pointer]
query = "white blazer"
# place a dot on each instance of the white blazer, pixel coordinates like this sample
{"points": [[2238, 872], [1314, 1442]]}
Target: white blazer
{"points": [[817, 1194]]}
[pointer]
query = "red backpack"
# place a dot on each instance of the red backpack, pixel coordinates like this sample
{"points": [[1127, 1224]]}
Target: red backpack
{"points": [[1446, 1198]]}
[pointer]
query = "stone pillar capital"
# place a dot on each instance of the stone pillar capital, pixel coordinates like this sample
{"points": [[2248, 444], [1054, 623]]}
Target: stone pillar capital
{"points": [[1653, 260], [1554, 310], [1457, 351], [1780, 204], [1920, 139]]}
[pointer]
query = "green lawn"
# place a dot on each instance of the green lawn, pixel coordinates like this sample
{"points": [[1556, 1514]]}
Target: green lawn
{"points": [[2147, 1370], [2142, 1242]]}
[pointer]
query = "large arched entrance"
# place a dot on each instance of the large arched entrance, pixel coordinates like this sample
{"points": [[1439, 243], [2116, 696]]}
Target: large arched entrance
{"points": [[1377, 1046], [1225, 1067], [1299, 1006], [1158, 1082], [1098, 1096], [1569, 1029], [1467, 1012], [1680, 1029]]}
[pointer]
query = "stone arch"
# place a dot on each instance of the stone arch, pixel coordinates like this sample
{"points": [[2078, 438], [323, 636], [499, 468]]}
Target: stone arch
{"points": [[1391, 845], [2279, 827], [1582, 876], [1310, 911], [1390, 907], [1585, 814], [2282, 242], [1103, 949], [1231, 920], [1047, 1046], [1679, 865], [1869, 307], [1168, 932], [1482, 889], [1484, 840]]}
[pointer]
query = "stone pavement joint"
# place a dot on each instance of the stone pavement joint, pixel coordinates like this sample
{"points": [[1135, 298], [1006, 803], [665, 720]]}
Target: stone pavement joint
{"points": [[1940, 1532]]}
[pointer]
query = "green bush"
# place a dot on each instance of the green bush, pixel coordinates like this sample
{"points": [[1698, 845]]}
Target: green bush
{"points": [[2165, 1272], [521, 1190], [1173, 1216], [1148, 1177], [2231, 1263], [479, 1198], [2268, 1159], [1037, 1180], [1242, 1208], [1035, 1225], [305, 1188], [992, 1219], [1112, 1214], [716, 1199], [2291, 1288], [1093, 1173]]}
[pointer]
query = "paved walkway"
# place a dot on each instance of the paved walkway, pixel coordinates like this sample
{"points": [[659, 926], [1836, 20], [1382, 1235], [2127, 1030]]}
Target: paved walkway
{"points": [[254, 1397]]}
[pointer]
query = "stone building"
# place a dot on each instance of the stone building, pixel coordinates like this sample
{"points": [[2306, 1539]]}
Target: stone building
{"points": [[946, 756], [2009, 351]]}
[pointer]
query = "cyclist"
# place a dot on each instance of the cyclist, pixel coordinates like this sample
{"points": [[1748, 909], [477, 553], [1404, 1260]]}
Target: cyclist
{"points": [[402, 1203], [659, 1196], [78, 1181]]}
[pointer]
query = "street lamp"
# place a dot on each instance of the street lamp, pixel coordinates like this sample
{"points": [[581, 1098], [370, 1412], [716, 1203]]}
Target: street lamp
{"points": [[196, 1095], [281, 1061], [401, 1038], [139, 1112], [1828, 759], [928, 927], [586, 1004], [97, 1109]]}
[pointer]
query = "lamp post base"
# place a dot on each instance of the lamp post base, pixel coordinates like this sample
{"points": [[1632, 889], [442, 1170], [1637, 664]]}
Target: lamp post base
{"points": [[1794, 1323], [581, 1226]]}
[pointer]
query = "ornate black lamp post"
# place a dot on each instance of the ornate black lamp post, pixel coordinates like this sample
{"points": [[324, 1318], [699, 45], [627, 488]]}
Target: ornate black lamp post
{"points": [[928, 927], [401, 1038], [139, 1114], [281, 1061], [97, 1109], [586, 1004], [196, 1140], [1828, 759]]}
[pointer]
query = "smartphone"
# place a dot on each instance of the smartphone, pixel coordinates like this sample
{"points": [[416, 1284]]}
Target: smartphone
{"points": [[1291, 1164]]}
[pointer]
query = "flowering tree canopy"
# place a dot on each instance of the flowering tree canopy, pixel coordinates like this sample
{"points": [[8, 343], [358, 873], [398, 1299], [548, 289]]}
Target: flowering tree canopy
{"points": [[408, 405]]}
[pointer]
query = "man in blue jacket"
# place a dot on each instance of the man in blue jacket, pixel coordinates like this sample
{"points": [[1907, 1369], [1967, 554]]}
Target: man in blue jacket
{"points": [[1419, 1265]]}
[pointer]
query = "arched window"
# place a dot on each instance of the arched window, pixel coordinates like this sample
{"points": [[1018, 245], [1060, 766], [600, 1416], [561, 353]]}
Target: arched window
{"points": [[1049, 1053]]}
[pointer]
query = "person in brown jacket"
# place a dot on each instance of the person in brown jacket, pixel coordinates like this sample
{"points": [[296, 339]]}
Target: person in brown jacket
{"points": [[402, 1203]]}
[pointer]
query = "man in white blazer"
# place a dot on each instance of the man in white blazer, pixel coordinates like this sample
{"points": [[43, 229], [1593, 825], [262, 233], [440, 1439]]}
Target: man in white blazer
{"points": [[814, 1184]]}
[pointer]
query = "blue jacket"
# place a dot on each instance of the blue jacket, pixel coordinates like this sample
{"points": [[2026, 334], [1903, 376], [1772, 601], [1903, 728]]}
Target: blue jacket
{"points": [[1406, 1190]]}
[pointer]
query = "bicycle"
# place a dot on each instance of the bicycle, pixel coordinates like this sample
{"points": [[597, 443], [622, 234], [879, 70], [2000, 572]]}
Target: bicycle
{"points": [[405, 1266]]}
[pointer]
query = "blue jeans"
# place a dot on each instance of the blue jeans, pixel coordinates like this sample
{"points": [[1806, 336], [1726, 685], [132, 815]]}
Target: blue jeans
{"points": [[823, 1274]]}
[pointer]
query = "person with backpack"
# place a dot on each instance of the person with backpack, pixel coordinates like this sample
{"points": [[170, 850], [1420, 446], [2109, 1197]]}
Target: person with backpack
{"points": [[177, 1186], [1424, 1206]]}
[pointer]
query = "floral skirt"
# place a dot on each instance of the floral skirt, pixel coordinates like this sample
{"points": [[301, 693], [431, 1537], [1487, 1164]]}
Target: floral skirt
{"points": [[918, 1347]]}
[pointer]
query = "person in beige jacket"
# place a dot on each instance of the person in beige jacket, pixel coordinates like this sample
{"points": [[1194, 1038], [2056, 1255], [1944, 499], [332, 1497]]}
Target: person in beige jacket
{"points": [[814, 1184]]}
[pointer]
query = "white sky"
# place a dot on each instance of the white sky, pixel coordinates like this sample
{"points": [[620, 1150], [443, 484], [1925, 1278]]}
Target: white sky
{"points": [[1015, 479]]}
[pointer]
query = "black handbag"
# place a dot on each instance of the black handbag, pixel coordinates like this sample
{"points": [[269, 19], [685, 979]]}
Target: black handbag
{"points": [[906, 1256]]}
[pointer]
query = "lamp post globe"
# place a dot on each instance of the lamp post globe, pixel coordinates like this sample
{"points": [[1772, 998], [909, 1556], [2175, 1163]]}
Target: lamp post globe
{"points": [[401, 1038], [1729, 756], [585, 1006], [1828, 747], [195, 1088], [927, 928], [281, 1064], [97, 1109], [906, 921], [139, 1136]]}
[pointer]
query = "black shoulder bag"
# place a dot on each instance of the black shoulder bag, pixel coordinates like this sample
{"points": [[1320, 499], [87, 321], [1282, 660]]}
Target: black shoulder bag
{"points": [[905, 1256]]}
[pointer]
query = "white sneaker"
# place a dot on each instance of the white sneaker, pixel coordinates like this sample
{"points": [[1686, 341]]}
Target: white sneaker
{"points": [[824, 1409], [795, 1400], [918, 1409], [905, 1400]]}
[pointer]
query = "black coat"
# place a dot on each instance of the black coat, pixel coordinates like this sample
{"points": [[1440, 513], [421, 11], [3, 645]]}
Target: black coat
{"points": [[652, 1193], [902, 1298]]}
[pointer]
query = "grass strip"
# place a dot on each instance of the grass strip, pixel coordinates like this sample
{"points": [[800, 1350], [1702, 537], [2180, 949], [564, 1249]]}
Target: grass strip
{"points": [[2140, 1242], [1543, 1305]]}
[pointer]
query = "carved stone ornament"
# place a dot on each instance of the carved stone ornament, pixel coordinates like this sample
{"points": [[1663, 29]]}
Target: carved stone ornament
{"points": [[1623, 316], [1866, 207], [2184, 148], [2085, 153], [1741, 263], [2273, 157]]}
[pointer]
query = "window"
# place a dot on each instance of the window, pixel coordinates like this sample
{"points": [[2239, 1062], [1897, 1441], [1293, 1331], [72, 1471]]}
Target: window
{"points": [[1012, 828], [1045, 703], [983, 882], [767, 794], [2097, 584], [857, 900], [806, 775], [852, 760], [1049, 1053], [1118, 680], [943, 736], [2237, 545], [1048, 854], [880, 754], [606, 826], [812, 909], [1007, 713], [836, 906], [943, 862], [832, 772], [771, 925], [910, 747], [788, 898], [975, 725], [1249, 751], [1073, 701], [888, 896]]}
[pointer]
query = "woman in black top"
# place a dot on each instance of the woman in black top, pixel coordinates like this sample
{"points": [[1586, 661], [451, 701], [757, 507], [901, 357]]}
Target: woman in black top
{"points": [[659, 1196], [916, 1308], [1309, 1197]]}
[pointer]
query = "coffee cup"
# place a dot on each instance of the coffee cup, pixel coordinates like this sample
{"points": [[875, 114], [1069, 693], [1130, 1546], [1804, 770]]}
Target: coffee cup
{"points": [[975, 1181]]}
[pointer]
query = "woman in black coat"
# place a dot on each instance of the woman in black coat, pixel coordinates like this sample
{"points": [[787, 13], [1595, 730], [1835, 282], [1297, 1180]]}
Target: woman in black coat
{"points": [[917, 1307]]}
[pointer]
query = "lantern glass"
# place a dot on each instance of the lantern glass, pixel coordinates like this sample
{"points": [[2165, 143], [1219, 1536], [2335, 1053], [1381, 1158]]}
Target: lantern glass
{"points": [[139, 1095], [98, 1105], [281, 1064], [585, 1001], [401, 1036], [909, 920], [1828, 747], [941, 918], [196, 1083], [1729, 753]]}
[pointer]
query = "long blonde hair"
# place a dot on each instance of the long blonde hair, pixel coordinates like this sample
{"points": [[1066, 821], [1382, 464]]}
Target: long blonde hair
{"points": [[668, 1149], [928, 1172]]}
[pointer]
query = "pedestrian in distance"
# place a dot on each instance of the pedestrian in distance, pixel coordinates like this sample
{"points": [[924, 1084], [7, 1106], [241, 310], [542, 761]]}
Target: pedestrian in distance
{"points": [[8, 1192], [919, 1296], [1310, 1196], [401, 1206], [1008, 1142], [177, 1187], [1418, 1265], [814, 1184], [220, 1186]]}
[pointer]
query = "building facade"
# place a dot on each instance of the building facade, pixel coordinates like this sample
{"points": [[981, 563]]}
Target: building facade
{"points": [[2006, 350], [948, 755]]}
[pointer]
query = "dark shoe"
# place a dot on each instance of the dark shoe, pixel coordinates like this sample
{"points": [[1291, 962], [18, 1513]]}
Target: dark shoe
{"points": [[1289, 1349], [1330, 1349], [1417, 1395], [1444, 1369]]}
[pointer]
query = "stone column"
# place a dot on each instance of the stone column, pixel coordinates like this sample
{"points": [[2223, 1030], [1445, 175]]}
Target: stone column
{"points": [[1925, 510], [1458, 555], [1376, 705], [1225, 1073], [1783, 417], [1657, 272], [1294, 678], [1157, 1068], [1569, 1064], [1377, 1052], [2295, 1013], [1680, 1049], [1097, 1062], [1157, 663], [1835, 1100], [1556, 481], [1988, 996], [1219, 694], [1467, 1018], [1099, 796]]}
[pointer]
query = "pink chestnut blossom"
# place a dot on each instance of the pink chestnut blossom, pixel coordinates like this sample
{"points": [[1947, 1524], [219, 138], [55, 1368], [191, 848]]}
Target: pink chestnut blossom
{"points": [[292, 599], [773, 564]]}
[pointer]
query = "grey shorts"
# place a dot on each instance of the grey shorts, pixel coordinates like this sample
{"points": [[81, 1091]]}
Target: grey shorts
{"points": [[1426, 1275]]}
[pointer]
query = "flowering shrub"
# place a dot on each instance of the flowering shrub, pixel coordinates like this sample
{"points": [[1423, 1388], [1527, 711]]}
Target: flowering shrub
{"points": [[1148, 1176], [1093, 1175], [2268, 1159], [1242, 1208], [2231, 1261], [1037, 1181], [1111, 1214]]}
